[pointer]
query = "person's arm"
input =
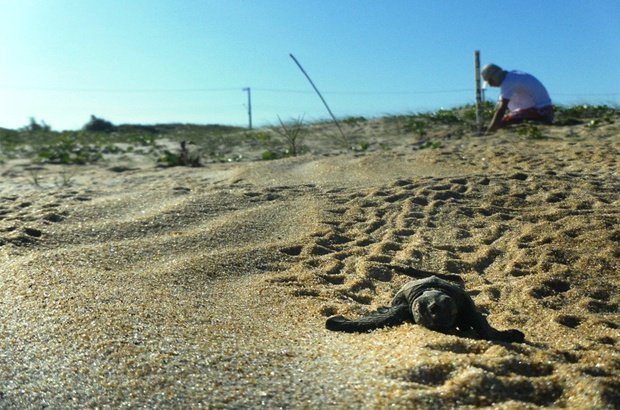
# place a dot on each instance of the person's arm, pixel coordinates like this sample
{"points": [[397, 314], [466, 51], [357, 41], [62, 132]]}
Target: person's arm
{"points": [[501, 109]]}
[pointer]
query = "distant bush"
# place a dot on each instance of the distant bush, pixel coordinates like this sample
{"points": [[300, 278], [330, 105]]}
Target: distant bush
{"points": [[98, 125], [137, 128], [34, 126], [354, 121]]}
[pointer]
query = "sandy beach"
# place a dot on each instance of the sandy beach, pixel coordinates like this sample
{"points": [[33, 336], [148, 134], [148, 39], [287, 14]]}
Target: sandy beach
{"points": [[135, 286]]}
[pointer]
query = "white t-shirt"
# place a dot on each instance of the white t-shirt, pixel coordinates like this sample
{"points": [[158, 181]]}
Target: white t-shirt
{"points": [[524, 91]]}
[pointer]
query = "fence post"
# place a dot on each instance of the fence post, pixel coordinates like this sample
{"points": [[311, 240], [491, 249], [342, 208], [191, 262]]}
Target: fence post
{"points": [[249, 107], [478, 91]]}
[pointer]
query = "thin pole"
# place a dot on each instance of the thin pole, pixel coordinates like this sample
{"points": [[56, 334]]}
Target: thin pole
{"points": [[478, 91], [249, 106], [320, 96]]}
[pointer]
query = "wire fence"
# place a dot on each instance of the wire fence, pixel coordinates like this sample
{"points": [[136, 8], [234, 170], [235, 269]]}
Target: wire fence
{"points": [[198, 106], [270, 90]]}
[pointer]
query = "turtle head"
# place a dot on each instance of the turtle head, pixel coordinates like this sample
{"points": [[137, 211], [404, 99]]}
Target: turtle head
{"points": [[435, 310]]}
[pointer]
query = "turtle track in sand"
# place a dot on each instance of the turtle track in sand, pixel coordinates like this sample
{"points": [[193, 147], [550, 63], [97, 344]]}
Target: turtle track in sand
{"points": [[533, 250]]}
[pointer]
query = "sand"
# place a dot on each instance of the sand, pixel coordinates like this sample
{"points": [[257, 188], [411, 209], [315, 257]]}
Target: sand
{"points": [[131, 286]]}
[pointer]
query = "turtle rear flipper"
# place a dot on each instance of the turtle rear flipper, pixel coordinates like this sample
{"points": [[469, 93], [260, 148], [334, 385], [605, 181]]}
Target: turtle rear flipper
{"points": [[389, 316], [511, 336]]}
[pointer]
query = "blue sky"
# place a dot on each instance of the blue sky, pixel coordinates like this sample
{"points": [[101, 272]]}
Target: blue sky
{"points": [[157, 61]]}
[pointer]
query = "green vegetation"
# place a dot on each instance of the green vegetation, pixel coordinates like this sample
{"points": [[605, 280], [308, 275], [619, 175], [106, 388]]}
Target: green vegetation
{"points": [[585, 114], [186, 156], [417, 126], [530, 131], [67, 150], [99, 125], [363, 146], [353, 121], [99, 137], [193, 145], [462, 119], [292, 133], [430, 144], [34, 126]]}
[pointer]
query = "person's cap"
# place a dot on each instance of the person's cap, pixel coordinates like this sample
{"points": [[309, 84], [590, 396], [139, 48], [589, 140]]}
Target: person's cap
{"points": [[492, 72]]}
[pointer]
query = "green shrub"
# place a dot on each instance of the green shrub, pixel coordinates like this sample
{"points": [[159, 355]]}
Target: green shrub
{"points": [[98, 125], [417, 126], [468, 112], [67, 150], [293, 133], [579, 114], [184, 157], [530, 131], [269, 155], [430, 144], [34, 126], [445, 117], [353, 121]]}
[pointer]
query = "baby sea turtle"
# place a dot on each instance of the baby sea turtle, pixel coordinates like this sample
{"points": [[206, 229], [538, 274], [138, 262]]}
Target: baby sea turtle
{"points": [[433, 303]]}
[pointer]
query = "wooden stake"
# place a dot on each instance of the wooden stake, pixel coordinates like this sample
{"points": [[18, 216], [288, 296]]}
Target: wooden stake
{"points": [[321, 97], [478, 91]]}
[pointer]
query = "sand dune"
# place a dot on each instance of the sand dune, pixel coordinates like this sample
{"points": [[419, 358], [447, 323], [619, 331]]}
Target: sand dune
{"points": [[209, 287]]}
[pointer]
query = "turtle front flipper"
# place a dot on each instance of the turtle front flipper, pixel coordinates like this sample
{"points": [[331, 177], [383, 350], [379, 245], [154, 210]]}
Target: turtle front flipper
{"points": [[510, 336], [480, 324], [474, 319], [390, 316]]}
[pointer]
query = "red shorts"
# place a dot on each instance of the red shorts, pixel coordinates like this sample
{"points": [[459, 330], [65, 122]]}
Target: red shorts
{"points": [[544, 115]]}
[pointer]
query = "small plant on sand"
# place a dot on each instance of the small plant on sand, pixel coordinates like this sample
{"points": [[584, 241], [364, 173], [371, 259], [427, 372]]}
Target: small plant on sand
{"points": [[257, 137], [468, 112], [444, 116], [269, 155], [430, 144], [597, 122], [293, 133], [34, 176], [66, 178], [235, 158], [417, 126], [186, 156], [530, 131]]}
